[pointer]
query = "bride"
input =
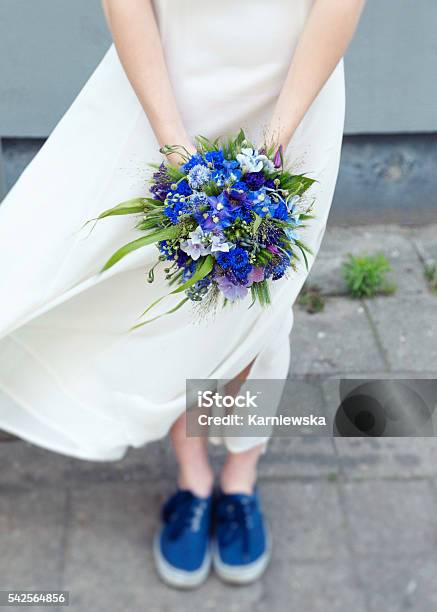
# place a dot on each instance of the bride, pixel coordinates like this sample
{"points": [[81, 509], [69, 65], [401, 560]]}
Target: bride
{"points": [[71, 379]]}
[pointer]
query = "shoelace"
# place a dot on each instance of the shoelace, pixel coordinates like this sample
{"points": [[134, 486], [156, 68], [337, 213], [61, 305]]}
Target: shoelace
{"points": [[183, 511], [235, 517]]}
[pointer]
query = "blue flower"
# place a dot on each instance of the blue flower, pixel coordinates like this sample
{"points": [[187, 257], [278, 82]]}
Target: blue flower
{"points": [[199, 201], [193, 161], [183, 188], [189, 269], [277, 269], [197, 291], [240, 186], [216, 158], [232, 169], [176, 206], [217, 216], [281, 212], [198, 176], [235, 264], [262, 203], [166, 249]]}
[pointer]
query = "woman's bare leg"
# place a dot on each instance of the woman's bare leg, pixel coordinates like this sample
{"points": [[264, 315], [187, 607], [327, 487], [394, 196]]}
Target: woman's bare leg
{"points": [[195, 471], [239, 472]]}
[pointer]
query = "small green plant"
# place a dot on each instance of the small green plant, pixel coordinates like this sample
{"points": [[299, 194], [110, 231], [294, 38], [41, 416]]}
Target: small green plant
{"points": [[311, 299], [365, 275], [431, 275]]}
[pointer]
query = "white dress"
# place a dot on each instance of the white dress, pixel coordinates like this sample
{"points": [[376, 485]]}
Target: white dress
{"points": [[72, 379]]}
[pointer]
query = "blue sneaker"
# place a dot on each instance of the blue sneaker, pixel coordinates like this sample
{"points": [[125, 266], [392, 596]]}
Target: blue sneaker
{"points": [[241, 550], [182, 546]]}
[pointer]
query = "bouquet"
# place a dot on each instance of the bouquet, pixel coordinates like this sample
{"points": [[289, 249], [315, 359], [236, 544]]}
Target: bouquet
{"points": [[226, 221]]}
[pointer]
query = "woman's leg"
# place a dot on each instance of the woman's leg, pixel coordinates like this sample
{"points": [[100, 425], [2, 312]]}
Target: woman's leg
{"points": [[239, 471], [195, 471]]}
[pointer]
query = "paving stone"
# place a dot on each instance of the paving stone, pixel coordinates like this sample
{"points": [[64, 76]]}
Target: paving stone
{"points": [[109, 564], [306, 521], [32, 529], [338, 339], [31, 465], [398, 584], [300, 457], [425, 241], [387, 457], [407, 328], [391, 518], [145, 463], [312, 587]]}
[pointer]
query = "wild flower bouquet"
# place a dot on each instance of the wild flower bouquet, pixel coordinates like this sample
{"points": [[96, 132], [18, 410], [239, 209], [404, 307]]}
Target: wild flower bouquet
{"points": [[227, 222]]}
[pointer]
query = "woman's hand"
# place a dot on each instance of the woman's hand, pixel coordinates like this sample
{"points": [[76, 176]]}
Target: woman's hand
{"points": [[179, 157]]}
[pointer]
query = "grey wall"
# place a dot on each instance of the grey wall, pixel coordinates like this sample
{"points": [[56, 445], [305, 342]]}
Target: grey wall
{"points": [[48, 48]]}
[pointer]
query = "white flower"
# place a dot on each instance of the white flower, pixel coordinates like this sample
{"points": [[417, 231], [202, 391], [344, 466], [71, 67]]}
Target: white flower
{"points": [[197, 244], [219, 244], [250, 160]]}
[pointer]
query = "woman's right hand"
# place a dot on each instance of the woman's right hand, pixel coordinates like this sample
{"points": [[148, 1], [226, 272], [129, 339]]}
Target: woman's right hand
{"points": [[178, 158]]}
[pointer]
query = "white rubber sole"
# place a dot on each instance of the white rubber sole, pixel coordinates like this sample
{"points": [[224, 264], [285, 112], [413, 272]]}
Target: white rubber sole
{"points": [[178, 578], [241, 574]]}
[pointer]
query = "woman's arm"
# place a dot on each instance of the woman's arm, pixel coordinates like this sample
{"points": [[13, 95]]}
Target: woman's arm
{"points": [[323, 42], [136, 37]]}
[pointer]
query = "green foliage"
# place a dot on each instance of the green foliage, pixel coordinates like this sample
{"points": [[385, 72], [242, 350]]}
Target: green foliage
{"points": [[261, 293], [430, 272], [311, 299], [295, 184], [139, 243], [365, 275]]}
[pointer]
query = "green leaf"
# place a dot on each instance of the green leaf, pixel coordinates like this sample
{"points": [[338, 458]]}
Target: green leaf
{"points": [[203, 269], [130, 207], [302, 249], [256, 224], [164, 314], [164, 234]]}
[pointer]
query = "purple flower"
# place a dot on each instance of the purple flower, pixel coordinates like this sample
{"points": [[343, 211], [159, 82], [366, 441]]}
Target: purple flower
{"points": [[254, 180], [161, 183], [230, 291], [273, 249], [277, 160], [256, 275], [217, 216]]}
